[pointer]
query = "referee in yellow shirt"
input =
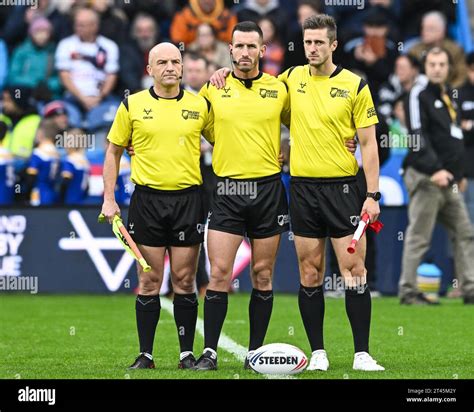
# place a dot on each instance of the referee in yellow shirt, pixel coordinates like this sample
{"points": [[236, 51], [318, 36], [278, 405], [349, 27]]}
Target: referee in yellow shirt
{"points": [[249, 198], [164, 125], [329, 105]]}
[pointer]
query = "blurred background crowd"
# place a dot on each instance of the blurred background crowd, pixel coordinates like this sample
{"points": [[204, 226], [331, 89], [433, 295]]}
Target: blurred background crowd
{"points": [[65, 65]]}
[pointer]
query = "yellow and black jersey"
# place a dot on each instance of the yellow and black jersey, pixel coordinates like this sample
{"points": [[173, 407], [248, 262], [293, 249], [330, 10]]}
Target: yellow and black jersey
{"points": [[325, 113], [166, 135], [247, 118]]}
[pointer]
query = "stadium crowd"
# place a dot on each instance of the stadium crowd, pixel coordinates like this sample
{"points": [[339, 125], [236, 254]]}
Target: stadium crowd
{"points": [[66, 65]]}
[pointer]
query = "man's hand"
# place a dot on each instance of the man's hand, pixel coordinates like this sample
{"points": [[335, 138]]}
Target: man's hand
{"points": [[281, 159], [372, 208], [218, 78], [89, 102], [129, 149], [463, 184], [442, 178], [110, 208], [351, 145]]}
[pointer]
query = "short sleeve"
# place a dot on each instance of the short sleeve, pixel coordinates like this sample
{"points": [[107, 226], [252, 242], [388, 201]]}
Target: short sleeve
{"points": [[363, 111], [34, 165], [67, 170], [63, 59], [121, 130]]}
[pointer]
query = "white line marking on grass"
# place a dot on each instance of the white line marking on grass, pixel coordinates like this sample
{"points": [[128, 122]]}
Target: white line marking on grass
{"points": [[226, 343]]}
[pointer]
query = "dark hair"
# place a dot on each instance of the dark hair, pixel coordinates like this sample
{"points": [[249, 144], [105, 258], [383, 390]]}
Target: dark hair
{"points": [[470, 59], [438, 50], [248, 27], [196, 56], [322, 21], [314, 4], [412, 59]]}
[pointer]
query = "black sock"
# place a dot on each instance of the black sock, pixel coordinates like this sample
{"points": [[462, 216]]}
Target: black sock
{"points": [[215, 310], [185, 316], [311, 304], [148, 313], [358, 308], [260, 311]]}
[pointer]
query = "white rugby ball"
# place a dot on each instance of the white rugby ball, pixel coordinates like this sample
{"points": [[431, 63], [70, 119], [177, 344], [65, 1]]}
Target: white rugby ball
{"points": [[278, 359]]}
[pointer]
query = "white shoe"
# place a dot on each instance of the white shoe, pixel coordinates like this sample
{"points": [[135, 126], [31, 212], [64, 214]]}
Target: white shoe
{"points": [[319, 361], [364, 362]]}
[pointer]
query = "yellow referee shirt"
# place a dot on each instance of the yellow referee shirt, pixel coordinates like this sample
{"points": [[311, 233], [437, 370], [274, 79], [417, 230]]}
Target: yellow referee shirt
{"points": [[325, 112], [247, 125], [166, 137]]}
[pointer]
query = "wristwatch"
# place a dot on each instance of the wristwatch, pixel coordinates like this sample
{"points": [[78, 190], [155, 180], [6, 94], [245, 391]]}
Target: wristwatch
{"points": [[374, 195]]}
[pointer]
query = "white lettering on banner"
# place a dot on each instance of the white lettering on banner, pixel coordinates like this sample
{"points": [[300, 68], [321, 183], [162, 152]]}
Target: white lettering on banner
{"points": [[37, 395], [94, 247], [12, 230]]}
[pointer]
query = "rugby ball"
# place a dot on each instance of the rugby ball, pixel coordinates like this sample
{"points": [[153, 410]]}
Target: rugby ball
{"points": [[278, 359]]}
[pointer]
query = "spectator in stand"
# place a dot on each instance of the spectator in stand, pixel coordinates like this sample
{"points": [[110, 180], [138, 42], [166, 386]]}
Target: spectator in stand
{"points": [[433, 33], [186, 22], [406, 74], [274, 54], [412, 12], [43, 167], [16, 27], [74, 170], [7, 170], [22, 120], [32, 62], [373, 54], [256, 10], [88, 64], [113, 21], [145, 33], [210, 47], [294, 52], [56, 111], [195, 74], [466, 105]]}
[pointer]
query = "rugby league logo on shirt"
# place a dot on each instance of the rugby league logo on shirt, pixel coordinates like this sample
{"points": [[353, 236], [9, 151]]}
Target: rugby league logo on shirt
{"points": [[189, 114], [336, 92], [264, 93]]}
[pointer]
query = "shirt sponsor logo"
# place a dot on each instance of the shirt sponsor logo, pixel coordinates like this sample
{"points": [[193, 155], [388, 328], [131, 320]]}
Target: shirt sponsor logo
{"points": [[226, 92], [147, 114], [335, 92], [302, 86], [189, 114], [264, 93], [371, 112]]}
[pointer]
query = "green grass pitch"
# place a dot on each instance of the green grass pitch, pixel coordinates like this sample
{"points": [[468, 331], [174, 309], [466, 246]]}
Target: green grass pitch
{"points": [[81, 336]]}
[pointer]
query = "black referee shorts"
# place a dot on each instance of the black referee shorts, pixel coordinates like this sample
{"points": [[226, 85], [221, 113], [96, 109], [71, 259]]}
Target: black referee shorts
{"points": [[166, 217], [325, 207], [256, 208]]}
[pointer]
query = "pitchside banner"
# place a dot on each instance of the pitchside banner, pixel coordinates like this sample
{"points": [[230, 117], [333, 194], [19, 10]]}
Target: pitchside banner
{"points": [[60, 250]]}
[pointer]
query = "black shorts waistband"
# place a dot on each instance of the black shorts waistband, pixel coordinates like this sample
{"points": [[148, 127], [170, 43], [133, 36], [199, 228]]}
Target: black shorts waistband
{"points": [[263, 179], [330, 180], [167, 192]]}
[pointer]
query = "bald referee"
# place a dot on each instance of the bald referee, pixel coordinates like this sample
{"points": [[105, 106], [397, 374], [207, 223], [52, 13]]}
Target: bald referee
{"points": [[164, 125]]}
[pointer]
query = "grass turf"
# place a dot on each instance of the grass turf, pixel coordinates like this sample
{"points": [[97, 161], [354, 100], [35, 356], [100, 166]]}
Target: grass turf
{"points": [[95, 337]]}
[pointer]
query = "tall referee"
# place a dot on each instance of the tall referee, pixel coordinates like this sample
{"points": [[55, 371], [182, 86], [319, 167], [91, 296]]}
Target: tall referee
{"points": [[164, 125], [329, 105]]}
